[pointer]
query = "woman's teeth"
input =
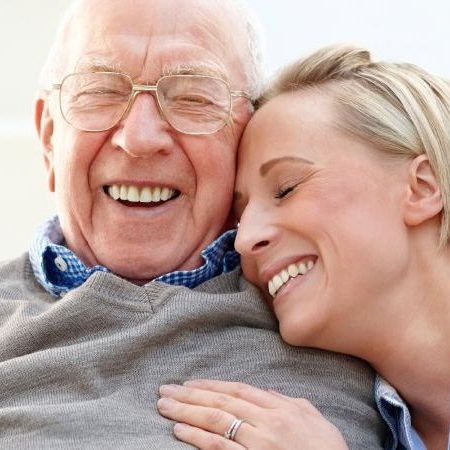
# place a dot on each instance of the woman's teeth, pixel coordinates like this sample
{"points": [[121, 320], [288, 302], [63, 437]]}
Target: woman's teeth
{"points": [[140, 195], [293, 270]]}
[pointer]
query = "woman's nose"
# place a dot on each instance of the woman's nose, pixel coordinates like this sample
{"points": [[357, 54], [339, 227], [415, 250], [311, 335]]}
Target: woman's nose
{"points": [[255, 232]]}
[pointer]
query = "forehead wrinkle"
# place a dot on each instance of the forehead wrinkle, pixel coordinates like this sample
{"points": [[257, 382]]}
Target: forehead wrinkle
{"points": [[145, 58]]}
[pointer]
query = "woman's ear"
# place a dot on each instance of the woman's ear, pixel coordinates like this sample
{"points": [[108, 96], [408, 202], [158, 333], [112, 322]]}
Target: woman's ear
{"points": [[424, 198], [44, 127]]}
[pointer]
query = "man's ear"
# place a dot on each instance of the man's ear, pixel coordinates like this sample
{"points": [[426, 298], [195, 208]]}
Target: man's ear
{"points": [[424, 198], [44, 127]]}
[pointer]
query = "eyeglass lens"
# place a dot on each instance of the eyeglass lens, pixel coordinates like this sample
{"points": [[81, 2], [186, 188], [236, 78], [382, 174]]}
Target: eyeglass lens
{"points": [[191, 104]]}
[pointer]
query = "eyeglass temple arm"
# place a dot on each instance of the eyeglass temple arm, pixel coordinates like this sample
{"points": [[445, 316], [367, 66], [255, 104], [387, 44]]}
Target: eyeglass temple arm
{"points": [[52, 87], [241, 94]]}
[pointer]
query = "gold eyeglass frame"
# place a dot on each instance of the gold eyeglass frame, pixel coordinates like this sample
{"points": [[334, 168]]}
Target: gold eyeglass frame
{"points": [[152, 88]]}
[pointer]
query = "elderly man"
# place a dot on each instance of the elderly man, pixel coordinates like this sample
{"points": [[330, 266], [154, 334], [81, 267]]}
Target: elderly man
{"points": [[135, 283]]}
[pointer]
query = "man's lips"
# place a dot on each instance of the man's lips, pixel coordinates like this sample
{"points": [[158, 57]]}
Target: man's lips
{"points": [[140, 196]]}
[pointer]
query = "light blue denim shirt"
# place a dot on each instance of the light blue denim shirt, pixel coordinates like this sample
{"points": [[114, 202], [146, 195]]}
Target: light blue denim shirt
{"points": [[396, 414]]}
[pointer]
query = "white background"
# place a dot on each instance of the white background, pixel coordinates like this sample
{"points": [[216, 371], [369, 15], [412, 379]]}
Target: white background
{"points": [[413, 31]]}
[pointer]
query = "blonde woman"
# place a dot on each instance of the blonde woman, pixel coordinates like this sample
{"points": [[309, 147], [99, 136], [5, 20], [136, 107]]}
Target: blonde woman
{"points": [[343, 195]]}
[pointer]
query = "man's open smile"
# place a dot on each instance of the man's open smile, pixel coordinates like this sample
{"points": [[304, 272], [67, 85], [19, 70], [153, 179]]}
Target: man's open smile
{"points": [[135, 196]]}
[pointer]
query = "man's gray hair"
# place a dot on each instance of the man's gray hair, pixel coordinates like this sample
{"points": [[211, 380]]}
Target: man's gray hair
{"points": [[255, 69]]}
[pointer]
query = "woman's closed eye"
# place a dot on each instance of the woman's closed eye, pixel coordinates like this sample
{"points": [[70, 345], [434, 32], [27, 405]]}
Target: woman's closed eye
{"points": [[284, 191], [287, 184]]}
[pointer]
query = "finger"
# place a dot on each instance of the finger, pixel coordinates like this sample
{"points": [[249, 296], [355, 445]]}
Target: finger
{"points": [[251, 394], [217, 400], [202, 439], [302, 403], [208, 419]]}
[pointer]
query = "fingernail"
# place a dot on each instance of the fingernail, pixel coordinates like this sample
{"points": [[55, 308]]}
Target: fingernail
{"points": [[167, 389], [179, 428], [165, 404]]}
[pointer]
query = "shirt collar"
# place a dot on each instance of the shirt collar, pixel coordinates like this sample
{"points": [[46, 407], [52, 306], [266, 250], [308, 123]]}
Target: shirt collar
{"points": [[59, 270], [395, 412]]}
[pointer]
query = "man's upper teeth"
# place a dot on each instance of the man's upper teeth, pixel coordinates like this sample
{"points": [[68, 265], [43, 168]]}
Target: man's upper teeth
{"points": [[143, 195], [286, 274]]}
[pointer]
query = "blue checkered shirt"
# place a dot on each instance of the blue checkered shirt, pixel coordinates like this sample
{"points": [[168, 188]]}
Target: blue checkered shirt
{"points": [[59, 270]]}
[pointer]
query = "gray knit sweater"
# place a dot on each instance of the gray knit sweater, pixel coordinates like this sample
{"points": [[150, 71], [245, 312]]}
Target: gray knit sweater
{"points": [[84, 371]]}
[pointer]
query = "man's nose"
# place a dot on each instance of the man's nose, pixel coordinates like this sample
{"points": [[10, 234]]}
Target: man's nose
{"points": [[256, 232], [142, 132]]}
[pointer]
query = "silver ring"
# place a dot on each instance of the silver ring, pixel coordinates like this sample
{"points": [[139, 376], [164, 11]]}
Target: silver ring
{"points": [[234, 427]]}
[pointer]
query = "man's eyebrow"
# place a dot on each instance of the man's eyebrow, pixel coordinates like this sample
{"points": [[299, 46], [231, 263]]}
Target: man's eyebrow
{"points": [[269, 165], [97, 65], [194, 69]]}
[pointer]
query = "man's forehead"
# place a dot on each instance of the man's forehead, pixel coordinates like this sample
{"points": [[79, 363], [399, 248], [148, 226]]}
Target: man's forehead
{"points": [[156, 17], [115, 63], [161, 43]]}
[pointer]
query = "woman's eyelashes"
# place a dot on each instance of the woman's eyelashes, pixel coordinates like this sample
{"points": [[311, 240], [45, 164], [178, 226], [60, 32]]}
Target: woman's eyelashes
{"points": [[286, 184], [284, 191]]}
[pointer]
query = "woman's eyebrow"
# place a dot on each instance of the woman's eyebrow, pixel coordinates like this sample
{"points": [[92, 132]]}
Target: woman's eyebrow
{"points": [[269, 165]]}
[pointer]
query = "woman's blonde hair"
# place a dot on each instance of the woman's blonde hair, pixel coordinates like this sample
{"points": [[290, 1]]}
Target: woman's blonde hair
{"points": [[398, 108]]}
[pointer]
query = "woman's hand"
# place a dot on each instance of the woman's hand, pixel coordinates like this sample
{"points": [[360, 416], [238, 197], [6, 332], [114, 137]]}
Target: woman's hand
{"points": [[205, 410]]}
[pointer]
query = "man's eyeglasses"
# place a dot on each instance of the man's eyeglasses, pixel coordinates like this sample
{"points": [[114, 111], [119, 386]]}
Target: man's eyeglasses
{"points": [[191, 104]]}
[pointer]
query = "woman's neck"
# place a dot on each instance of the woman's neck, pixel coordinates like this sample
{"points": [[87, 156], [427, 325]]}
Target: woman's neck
{"points": [[422, 378], [412, 353]]}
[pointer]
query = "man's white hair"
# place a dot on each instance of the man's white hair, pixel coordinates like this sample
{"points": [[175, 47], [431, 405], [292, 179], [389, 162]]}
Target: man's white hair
{"points": [[255, 69]]}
